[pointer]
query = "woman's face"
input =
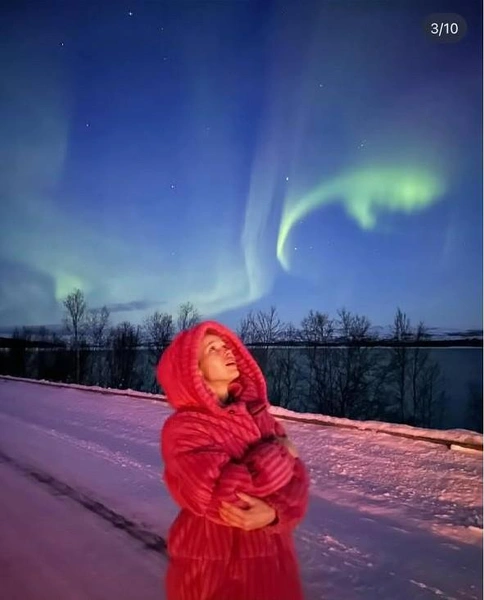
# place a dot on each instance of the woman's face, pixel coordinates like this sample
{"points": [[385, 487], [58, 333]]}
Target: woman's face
{"points": [[217, 361]]}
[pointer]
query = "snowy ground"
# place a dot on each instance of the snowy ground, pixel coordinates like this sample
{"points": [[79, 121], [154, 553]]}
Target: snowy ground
{"points": [[53, 548], [389, 517]]}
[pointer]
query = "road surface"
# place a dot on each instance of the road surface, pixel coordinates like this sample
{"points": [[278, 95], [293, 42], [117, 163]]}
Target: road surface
{"points": [[388, 517], [51, 547]]}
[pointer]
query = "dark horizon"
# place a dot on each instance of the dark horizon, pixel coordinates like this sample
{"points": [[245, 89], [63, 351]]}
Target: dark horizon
{"points": [[436, 334]]}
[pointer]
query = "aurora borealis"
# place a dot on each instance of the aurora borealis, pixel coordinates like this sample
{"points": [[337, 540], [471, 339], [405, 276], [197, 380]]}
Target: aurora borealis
{"points": [[240, 154], [363, 196]]}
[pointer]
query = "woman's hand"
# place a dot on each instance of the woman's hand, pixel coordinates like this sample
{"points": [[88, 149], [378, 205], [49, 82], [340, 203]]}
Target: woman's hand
{"points": [[285, 441], [259, 514]]}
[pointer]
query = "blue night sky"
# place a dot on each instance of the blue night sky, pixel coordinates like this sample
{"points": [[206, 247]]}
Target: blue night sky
{"points": [[238, 155]]}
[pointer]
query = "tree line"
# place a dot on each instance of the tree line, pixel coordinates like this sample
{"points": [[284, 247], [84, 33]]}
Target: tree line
{"points": [[305, 370]]}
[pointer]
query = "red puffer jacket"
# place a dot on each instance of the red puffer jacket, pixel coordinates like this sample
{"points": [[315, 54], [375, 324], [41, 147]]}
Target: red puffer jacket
{"points": [[211, 453]]}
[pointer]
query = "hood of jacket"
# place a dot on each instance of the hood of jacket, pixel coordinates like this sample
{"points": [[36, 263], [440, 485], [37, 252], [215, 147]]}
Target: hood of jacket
{"points": [[179, 377]]}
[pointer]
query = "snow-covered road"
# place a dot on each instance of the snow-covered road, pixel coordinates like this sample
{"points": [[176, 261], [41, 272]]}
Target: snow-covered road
{"points": [[53, 548], [388, 518]]}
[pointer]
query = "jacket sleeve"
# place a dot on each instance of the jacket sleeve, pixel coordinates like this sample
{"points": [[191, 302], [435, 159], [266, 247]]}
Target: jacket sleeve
{"points": [[291, 501], [206, 475], [279, 428]]}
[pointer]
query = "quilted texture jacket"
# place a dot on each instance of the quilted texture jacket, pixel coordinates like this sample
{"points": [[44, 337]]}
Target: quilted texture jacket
{"points": [[211, 452]]}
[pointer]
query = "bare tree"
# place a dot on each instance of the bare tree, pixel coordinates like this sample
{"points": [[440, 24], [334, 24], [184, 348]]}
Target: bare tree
{"points": [[419, 361], [246, 329], [316, 331], [400, 361], [268, 326], [96, 329], [74, 321], [432, 397], [123, 343], [96, 326], [61, 364], [263, 329], [188, 316], [287, 383], [353, 328], [159, 331], [353, 366], [18, 360], [317, 328], [378, 406], [474, 406], [290, 333], [416, 379], [43, 341]]}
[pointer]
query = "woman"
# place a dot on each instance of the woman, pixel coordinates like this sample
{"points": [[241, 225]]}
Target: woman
{"points": [[229, 465]]}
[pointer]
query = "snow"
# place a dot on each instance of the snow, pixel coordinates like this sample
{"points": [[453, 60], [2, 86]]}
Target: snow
{"points": [[389, 517], [69, 552], [452, 437]]}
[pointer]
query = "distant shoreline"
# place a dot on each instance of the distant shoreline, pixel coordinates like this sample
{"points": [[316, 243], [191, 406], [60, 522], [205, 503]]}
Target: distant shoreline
{"points": [[7, 342]]}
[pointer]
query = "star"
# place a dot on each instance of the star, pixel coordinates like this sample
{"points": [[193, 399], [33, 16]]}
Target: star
{"points": [[61, 44], [130, 13], [287, 178], [172, 186], [88, 124]]}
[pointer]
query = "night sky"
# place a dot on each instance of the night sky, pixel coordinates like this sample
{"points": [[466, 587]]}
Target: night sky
{"points": [[240, 154]]}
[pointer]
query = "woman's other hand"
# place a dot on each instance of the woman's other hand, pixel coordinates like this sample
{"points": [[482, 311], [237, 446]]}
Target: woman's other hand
{"points": [[258, 514], [285, 441]]}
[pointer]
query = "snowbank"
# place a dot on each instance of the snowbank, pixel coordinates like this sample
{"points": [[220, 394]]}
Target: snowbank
{"points": [[452, 438], [449, 437], [90, 388]]}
